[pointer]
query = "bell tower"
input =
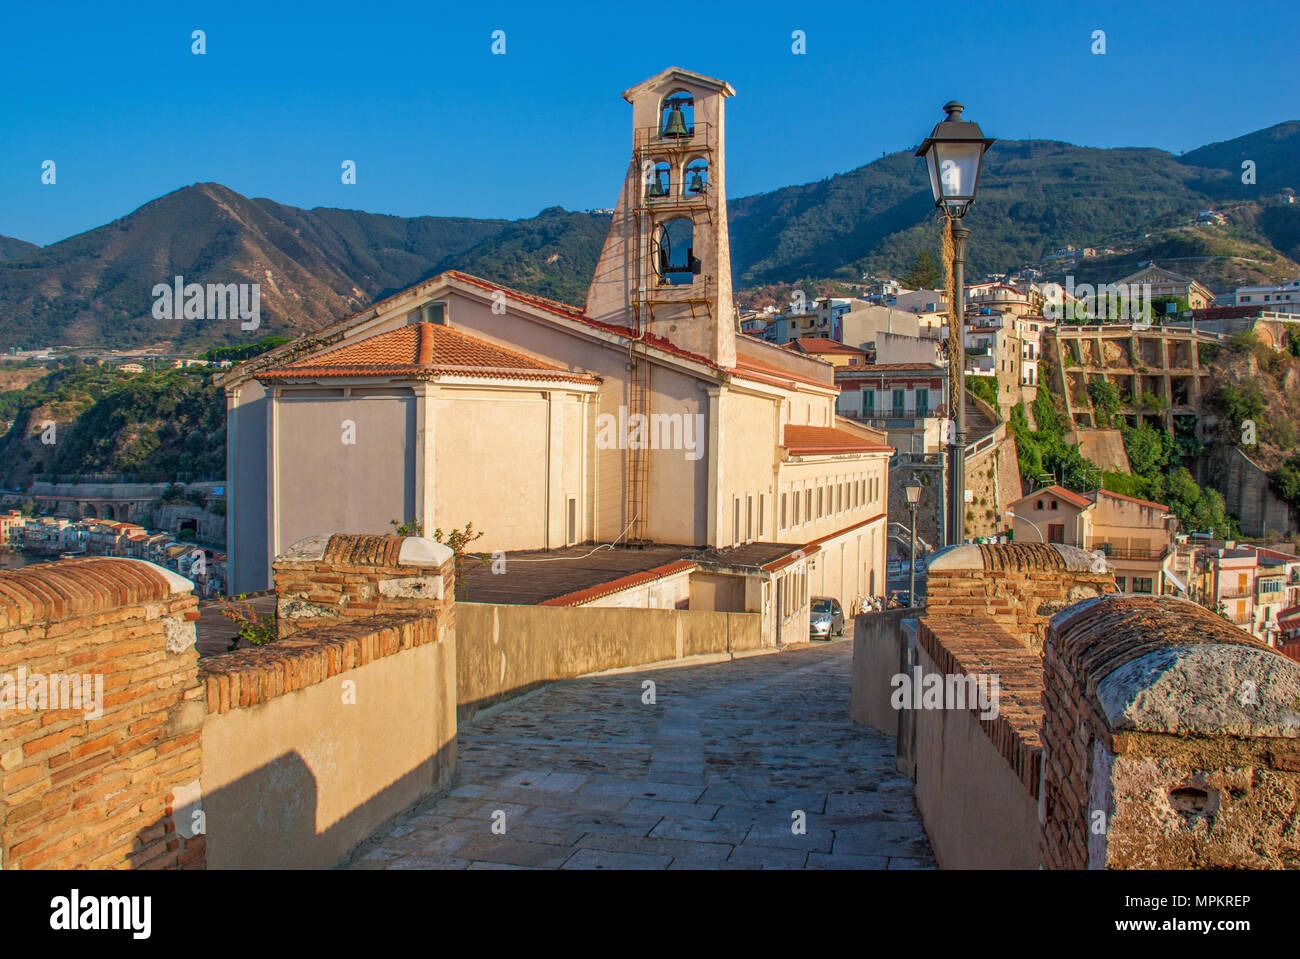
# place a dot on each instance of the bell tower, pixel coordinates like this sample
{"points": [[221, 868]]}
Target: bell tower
{"points": [[665, 268]]}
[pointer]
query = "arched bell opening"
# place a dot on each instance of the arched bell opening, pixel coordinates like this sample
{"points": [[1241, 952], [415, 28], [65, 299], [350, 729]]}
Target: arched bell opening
{"points": [[675, 260], [695, 178], [661, 182], [677, 116]]}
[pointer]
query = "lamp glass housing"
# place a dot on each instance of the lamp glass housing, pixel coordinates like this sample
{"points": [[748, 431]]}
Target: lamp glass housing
{"points": [[913, 494]]}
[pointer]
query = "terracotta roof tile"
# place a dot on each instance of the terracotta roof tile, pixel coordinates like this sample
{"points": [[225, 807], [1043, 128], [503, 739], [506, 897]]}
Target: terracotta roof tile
{"points": [[1060, 492], [818, 345], [813, 440], [421, 350], [1131, 499]]}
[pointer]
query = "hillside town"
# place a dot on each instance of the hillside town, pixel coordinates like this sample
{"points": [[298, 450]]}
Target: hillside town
{"points": [[1000, 574]]}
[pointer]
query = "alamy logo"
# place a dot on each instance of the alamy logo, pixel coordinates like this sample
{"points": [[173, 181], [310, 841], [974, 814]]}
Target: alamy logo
{"points": [[655, 431], [936, 691], [209, 301], [1106, 301], [74, 912], [37, 691]]}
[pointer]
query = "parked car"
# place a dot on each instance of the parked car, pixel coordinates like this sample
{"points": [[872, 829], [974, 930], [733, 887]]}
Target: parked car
{"points": [[826, 619]]}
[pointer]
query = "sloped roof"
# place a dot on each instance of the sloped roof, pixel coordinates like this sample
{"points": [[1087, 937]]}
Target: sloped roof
{"points": [[814, 440], [1060, 492], [812, 344], [423, 350], [1130, 499], [678, 74]]}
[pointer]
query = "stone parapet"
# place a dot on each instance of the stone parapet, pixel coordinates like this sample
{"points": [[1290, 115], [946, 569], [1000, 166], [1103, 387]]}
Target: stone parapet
{"points": [[1171, 741]]}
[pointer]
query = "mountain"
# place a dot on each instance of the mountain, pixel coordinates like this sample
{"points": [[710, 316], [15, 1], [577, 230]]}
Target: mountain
{"points": [[11, 248], [1036, 196], [315, 266], [1273, 151]]}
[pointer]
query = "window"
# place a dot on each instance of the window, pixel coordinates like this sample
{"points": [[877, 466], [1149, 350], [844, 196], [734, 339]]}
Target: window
{"points": [[839, 497], [807, 506], [868, 402], [677, 116], [760, 514], [922, 402], [749, 519], [735, 521], [784, 524], [434, 313], [695, 178], [820, 503], [1055, 504], [1142, 584], [898, 402], [1121, 583], [571, 530], [1038, 504], [1056, 533], [674, 249]]}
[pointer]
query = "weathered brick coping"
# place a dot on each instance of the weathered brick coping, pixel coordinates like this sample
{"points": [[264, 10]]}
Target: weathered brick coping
{"points": [[1012, 558], [364, 550], [1166, 665], [247, 677], [48, 592], [965, 646]]}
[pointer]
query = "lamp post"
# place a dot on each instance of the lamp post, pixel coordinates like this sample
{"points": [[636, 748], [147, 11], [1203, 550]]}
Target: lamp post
{"points": [[1012, 514], [913, 492], [953, 154]]}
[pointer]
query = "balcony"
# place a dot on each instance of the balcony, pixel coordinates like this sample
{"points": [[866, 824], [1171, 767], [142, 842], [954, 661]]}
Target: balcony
{"points": [[1129, 552]]}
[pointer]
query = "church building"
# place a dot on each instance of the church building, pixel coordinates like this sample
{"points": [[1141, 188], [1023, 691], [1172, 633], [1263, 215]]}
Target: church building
{"points": [[642, 422]]}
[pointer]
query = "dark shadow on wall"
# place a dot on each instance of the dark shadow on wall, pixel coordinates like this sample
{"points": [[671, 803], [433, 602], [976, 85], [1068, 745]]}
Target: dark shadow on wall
{"points": [[267, 818]]}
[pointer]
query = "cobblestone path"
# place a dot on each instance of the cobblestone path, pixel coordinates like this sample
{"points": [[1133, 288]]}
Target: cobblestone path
{"points": [[713, 775]]}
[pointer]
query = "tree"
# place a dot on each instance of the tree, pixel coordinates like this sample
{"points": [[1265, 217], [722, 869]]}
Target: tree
{"points": [[1105, 400], [1147, 449], [924, 273]]}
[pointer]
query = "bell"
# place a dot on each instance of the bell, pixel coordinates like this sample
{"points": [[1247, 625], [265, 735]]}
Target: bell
{"points": [[697, 183], [657, 188], [675, 124]]}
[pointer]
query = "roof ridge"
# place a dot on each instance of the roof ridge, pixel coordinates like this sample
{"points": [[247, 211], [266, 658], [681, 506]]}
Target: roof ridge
{"points": [[424, 352]]}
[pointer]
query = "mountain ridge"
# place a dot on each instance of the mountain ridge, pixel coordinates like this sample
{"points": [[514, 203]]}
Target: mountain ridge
{"points": [[316, 266]]}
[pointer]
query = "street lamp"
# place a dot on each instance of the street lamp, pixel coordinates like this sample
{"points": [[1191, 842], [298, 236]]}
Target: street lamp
{"points": [[913, 492], [953, 154]]}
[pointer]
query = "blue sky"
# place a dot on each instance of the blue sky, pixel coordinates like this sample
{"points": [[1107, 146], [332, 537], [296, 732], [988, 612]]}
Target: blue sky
{"points": [[439, 125]]}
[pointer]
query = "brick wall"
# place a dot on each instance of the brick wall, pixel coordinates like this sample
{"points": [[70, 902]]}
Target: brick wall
{"points": [[1018, 586], [1171, 741], [971, 647], [314, 741], [325, 578], [108, 790], [284, 755]]}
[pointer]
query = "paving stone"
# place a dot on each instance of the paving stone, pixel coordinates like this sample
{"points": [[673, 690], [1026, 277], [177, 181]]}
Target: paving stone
{"points": [[506, 849], [710, 851], [547, 781], [814, 840], [600, 859], [705, 778], [588, 821], [768, 857], [821, 860], [417, 861], [700, 830], [634, 789], [671, 810]]}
